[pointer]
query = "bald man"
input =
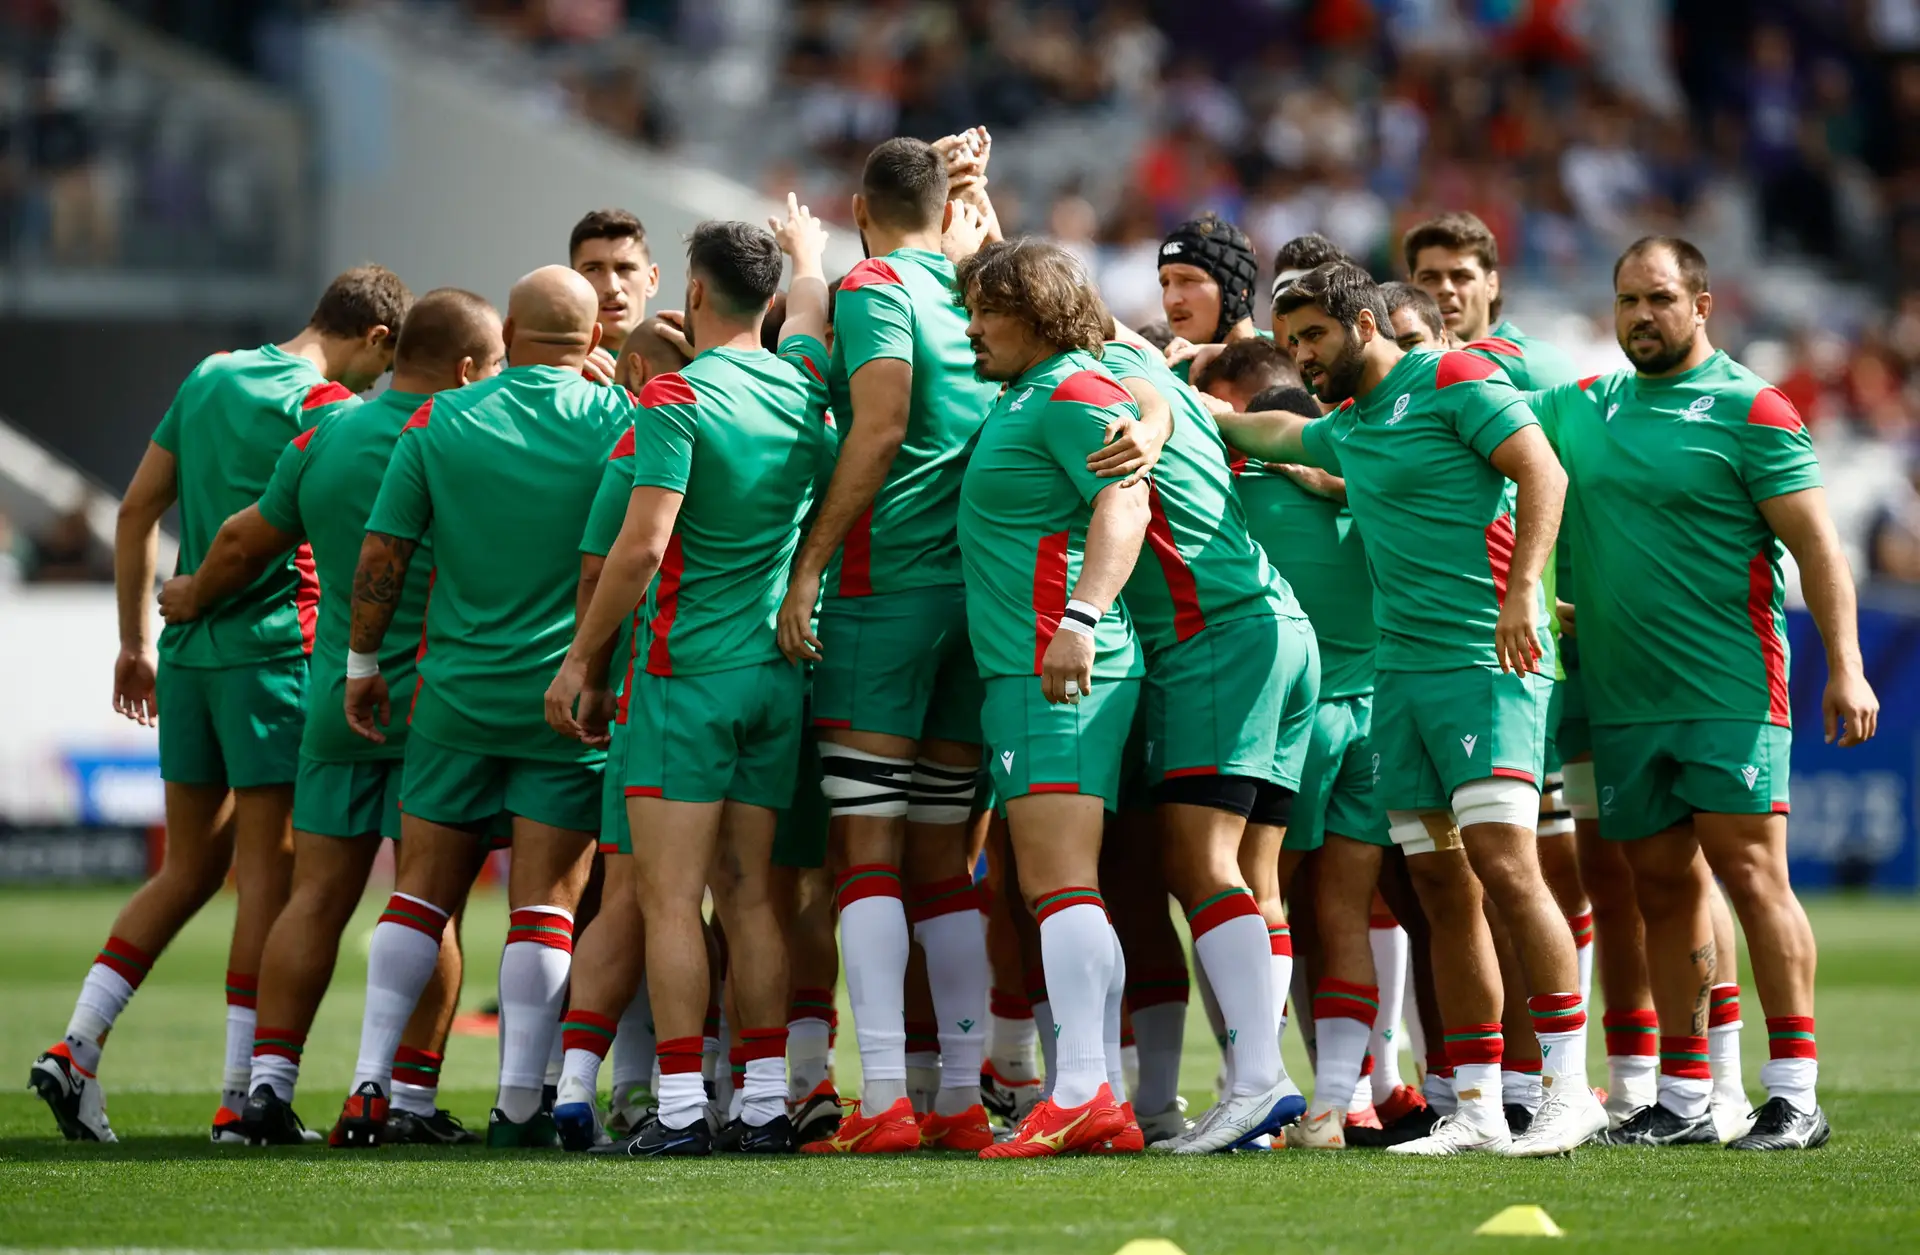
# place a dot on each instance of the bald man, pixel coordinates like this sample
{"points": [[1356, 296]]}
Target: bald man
{"points": [[502, 474]]}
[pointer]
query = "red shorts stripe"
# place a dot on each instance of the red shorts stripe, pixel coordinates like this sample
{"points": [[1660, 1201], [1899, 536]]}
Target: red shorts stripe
{"points": [[645, 790], [1054, 786], [1514, 773]]}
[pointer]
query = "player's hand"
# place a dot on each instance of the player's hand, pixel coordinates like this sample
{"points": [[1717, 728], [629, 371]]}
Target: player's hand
{"points": [[133, 685], [794, 626], [801, 236], [566, 690], [1850, 709], [1565, 610], [1514, 639], [1132, 450], [368, 709], [965, 234], [1066, 670], [600, 366], [1313, 479], [177, 601], [597, 708]]}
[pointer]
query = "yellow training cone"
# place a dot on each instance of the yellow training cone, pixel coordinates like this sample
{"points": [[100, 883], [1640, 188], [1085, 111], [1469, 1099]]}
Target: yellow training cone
{"points": [[1149, 1246], [1522, 1221]]}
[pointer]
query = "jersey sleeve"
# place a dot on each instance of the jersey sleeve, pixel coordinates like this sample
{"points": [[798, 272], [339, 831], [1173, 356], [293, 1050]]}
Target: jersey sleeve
{"points": [[167, 434], [1079, 412], [404, 508], [873, 315], [664, 433], [280, 503], [1322, 450], [1125, 360], [1776, 453], [608, 512], [1479, 401]]}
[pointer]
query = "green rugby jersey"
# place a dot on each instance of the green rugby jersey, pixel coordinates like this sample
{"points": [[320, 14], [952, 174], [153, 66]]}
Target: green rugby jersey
{"points": [[902, 307], [742, 433], [1529, 364], [323, 488], [604, 520], [1675, 573], [1199, 565], [1024, 509], [503, 473], [227, 426], [1317, 548], [1437, 516]]}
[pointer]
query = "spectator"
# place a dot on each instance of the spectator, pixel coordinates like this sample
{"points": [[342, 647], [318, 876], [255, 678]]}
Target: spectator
{"points": [[64, 552]]}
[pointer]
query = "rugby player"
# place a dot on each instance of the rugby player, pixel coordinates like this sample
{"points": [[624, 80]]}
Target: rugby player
{"points": [[727, 454], [1207, 273], [896, 695], [470, 467], [1428, 443], [1690, 478], [1048, 545], [347, 795], [1417, 321], [232, 685]]}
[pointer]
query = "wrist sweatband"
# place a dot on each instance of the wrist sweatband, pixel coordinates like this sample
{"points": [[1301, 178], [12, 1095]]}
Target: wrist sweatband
{"points": [[360, 666], [1081, 617]]}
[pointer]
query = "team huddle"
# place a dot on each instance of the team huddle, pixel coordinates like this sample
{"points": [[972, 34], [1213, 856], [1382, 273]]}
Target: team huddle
{"points": [[1429, 680]]}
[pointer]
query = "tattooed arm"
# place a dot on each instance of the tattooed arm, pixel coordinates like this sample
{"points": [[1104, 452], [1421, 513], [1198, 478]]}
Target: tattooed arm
{"points": [[377, 585]]}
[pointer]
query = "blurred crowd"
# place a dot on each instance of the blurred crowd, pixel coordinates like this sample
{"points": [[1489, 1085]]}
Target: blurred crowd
{"points": [[62, 552]]}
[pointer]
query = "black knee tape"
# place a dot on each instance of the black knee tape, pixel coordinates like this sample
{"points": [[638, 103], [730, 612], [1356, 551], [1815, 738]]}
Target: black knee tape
{"points": [[1235, 794], [1272, 805]]}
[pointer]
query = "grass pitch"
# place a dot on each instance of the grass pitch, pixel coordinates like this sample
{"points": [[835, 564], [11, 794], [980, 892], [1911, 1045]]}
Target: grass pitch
{"points": [[165, 1187]]}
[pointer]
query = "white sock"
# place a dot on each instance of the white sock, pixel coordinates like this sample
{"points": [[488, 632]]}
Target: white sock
{"points": [[1049, 1044], [277, 1072], [957, 971], [582, 1066], [400, 961], [807, 1056], [1110, 1025], [1582, 925], [1723, 1041], [1011, 1040], [1389, 947], [1280, 943], [1686, 1096], [1130, 1064], [421, 1100], [873, 947], [1438, 1091], [1636, 1076], [1159, 1030], [533, 983], [1230, 940], [1560, 1022], [239, 1063], [1792, 1079], [1521, 1089], [1476, 1088], [683, 1099], [764, 1093], [556, 1054], [634, 1044], [1343, 1052], [923, 1079], [1076, 946]]}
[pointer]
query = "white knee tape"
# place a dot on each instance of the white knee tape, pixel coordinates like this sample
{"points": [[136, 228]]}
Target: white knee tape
{"points": [[1497, 800], [858, 783], [1583, 798], [941, 793], [1555, 819], [1419, 832]]}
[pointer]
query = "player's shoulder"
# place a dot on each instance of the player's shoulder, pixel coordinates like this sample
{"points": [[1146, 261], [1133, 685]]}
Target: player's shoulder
{"points": [[623, 448], [1080, 379], [677, 387], [874, 274], [1468, 365], [1742, 398], [1121, 358]]}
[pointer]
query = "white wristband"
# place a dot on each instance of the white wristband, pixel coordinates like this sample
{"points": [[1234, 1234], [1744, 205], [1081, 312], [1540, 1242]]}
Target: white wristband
{"points": [[1081, 617], [1087, 608], [360, 666], [1074, 625]]}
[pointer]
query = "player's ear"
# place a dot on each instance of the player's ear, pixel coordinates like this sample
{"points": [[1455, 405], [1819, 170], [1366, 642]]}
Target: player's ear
{"points": [[593, 341], [860, 213], [1703, 307], [946, 217], [1493, 286], [463, 373], [653, 281]]}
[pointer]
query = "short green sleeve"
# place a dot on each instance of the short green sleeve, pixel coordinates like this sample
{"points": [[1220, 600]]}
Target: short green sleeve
{"points": [[280, 503], [664, 433], [167, 434], [809, 357], [1776, 453], [1481, 403], [403, 507], [608, 513], [1125, 360], [1550, 408], [1073, 428], [872, 322], [1322, 449]]}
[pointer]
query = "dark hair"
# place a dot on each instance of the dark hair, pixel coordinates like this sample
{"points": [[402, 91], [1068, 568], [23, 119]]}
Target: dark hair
{"points": [[1304, 252], [1249, 366], [607, 224], [905, 184], [1340, 290], [1156, 333], [739, 261], [1287, 398], [1690, 261], [444, 326], [1041, 283], [359, 300], [1460, 231], [1401, 295]]}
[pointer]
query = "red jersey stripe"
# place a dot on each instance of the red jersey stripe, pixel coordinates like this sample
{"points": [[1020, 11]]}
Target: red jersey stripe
{"points": [[421, 415], [1049, 592], [666, 606], [304, 439], [1500, 555], [1772, 409], [1773, 651], [668, 389], [869, 272], [856, 557], [1587, 383], [1090, 387], [623, 447], [1495, 344], [1460, 366], [326, 394], [306, 597], [1188, 619], [633, 661]]}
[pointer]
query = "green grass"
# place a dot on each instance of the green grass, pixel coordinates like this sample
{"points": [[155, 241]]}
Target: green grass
{"points": [[164, 1186]]}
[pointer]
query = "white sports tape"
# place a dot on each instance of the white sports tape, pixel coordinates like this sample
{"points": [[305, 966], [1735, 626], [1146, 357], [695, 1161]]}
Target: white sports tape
{"points": [[855, 782], [1497, 800], [1583, 797], [1422, 832], [941, 793]]}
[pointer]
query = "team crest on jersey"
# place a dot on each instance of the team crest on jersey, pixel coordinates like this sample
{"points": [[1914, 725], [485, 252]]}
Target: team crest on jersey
{"points": [[1699, 409], [1400, 408], [1019, 400], [1467, 743], [1750, 774]]}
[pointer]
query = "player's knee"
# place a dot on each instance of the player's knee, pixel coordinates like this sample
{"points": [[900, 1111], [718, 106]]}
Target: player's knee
{"points": [[855, 782]]}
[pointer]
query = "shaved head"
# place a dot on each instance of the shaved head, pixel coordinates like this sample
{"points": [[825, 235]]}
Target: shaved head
{"points": [[553, 305]]}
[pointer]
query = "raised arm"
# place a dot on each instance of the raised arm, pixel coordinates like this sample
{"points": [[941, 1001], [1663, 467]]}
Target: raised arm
{"points": [[1527, 460], [1804, 525], [136, 549], [804, 239]]}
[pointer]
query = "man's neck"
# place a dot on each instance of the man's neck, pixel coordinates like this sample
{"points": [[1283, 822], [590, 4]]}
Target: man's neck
{"points": [[1381, 357], [415, 383], [1702, 350], [565, 355], [718, 333], [880, 243], [1468, 334], [320, 350]]}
